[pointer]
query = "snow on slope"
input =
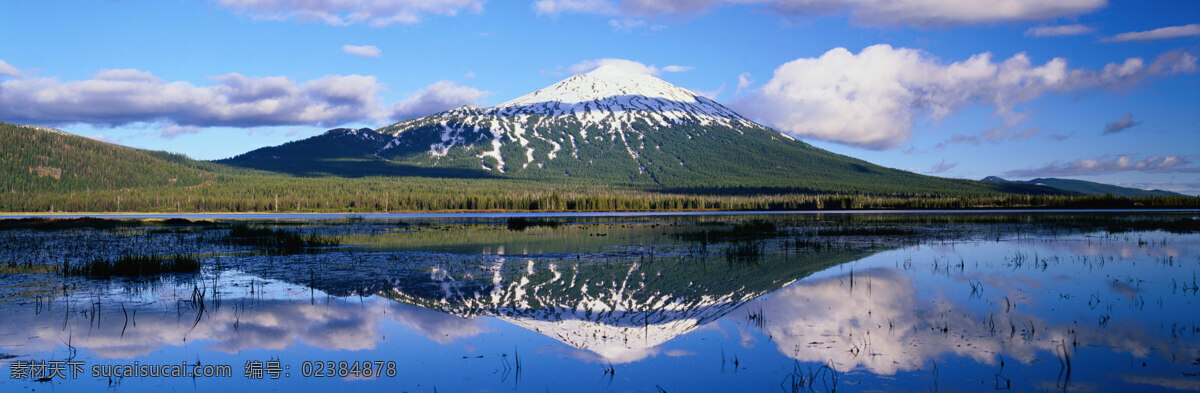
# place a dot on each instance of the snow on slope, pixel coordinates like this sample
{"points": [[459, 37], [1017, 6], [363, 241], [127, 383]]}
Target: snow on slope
{"points": [[609, 89], [606, 101]]}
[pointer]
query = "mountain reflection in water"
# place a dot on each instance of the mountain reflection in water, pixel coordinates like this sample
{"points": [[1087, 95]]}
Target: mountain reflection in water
{"points": [[1032, 312]]}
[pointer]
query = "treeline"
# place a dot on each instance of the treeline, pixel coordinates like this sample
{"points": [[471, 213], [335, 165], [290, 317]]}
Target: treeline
{"points": [[387, 195]]}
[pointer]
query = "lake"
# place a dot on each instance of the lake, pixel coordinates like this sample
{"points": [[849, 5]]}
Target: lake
{"points": [[792, 302]]}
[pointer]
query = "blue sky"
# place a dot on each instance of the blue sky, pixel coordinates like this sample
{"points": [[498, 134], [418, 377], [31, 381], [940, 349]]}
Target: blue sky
{"points": [[1099, 90]]}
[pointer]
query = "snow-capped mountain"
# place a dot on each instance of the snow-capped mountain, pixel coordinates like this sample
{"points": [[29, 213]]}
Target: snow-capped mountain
{"points": [[607, 126], [609, 96], [608, 108]]}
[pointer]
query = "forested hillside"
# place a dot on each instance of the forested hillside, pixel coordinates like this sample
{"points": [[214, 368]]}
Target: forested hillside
{"points": [[43, 159], [46, 170]]}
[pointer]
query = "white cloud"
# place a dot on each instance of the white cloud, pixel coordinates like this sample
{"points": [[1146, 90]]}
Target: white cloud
{"points": [[627, 24], [1158, 34], [1124, 123], [1110, 164], [712, 94], [677, 68], [744, 81], [555, 7], [124, 96], [625, 65], [437, 97], [6, 69], [362, 50], [919, 13], [872, 99], [1058, 31], [347, 12]]}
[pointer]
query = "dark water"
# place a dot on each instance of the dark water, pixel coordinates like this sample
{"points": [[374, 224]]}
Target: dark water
{"points": [[863, 302]]}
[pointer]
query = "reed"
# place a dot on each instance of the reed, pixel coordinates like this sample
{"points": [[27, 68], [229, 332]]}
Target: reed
{"points": [[135, 266]]}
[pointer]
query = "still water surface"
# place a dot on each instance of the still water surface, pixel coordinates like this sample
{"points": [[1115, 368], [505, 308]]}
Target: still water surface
{"points": [[725, 303]]}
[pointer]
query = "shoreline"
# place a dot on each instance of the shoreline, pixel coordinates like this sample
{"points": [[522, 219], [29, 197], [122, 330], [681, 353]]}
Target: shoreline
{"points": [[512, 213]]}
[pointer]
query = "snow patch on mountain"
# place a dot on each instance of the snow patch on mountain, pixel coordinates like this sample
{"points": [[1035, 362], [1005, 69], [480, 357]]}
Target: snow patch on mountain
{"points": [[606, 104]]}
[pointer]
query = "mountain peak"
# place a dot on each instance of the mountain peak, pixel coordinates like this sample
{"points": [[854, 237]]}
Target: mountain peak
{"points": [[603, 83], [612, 89]]}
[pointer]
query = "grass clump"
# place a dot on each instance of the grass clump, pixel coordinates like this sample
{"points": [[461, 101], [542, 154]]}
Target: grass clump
{"points": [[520, 223], [278, 241], [135, 266], [744, 252], [54, 224]]}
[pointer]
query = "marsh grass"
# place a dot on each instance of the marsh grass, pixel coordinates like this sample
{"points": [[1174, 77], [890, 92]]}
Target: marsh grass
{"points": [[744, 252], [55, 224], [134, 266], [277, 241]]}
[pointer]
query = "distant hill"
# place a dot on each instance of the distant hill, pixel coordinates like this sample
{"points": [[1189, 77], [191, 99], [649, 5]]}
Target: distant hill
{"points": [[1085, 187], [45, 159]]}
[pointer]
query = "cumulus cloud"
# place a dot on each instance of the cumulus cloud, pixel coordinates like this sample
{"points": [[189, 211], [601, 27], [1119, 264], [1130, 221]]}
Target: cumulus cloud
{"points": [[437, 97], [871, 99], [124, 96], [1157, 34], [362, 50], [629, 66], [1124, 123], [1110, 164], [347, 12], [6, 69], [1059, 31], [919, 13]]}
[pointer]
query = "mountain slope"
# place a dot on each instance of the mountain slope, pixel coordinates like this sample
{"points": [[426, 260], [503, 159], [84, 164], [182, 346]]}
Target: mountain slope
{"points": [[46, 159], [339, 152], [1085, 187], [612, 127]]}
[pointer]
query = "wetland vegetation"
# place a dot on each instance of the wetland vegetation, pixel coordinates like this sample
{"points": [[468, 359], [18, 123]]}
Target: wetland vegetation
{"points": [[801, 302]]}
